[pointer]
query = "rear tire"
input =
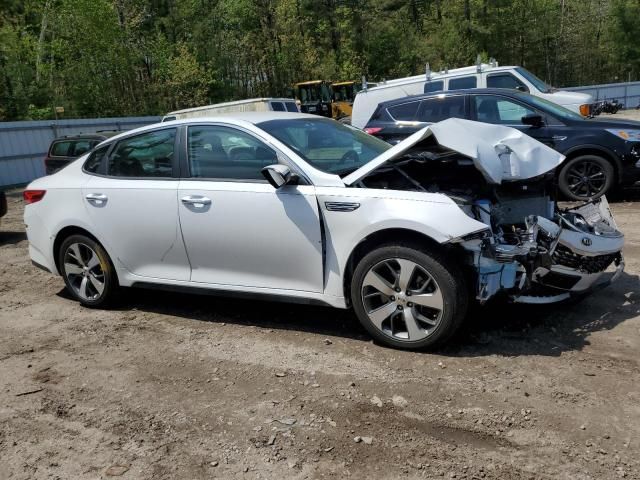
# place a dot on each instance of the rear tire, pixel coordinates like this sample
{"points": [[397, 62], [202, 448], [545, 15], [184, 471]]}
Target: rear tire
{"points": [[407, 298], [88, 272], [586, 177]]}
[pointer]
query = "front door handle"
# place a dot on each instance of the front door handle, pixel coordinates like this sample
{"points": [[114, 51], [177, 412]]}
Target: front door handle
{"points": [[196, 201], [97, 199]]}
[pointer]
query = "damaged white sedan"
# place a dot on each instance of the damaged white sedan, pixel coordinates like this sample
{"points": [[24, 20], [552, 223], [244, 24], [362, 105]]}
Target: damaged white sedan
{"points": [[302, 208]]}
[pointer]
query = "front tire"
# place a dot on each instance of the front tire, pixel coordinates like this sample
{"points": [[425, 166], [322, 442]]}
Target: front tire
{"points": [[88, 272], [586, 177], [407, 298]]}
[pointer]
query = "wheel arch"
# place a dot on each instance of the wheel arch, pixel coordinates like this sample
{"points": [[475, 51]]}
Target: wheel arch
{"points": [[597, 150], [385, 236], [65, 233]]}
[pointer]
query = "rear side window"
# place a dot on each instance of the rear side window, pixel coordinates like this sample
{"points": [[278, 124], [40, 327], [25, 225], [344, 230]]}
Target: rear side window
{"points": [[463, 82], [405, 111], [277, 106], [291, 107], [80, 147], [146, 155], [61, 149], [433, 86], [504, 80], [437, 109], [94, 162]]}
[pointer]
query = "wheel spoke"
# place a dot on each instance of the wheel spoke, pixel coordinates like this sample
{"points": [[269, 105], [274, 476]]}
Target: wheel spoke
{"points": [[407, 268], [96, 283], [431, 300], [372, 279], [93, 262], [414, 330], [380, 314], [82, 291], [75, 254], [72, 269]]}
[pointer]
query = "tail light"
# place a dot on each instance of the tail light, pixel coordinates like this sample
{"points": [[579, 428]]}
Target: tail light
{"points": [[585, 110], [372, 130], [33, 196]]}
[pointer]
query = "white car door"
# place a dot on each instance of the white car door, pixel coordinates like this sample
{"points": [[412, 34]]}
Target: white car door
{"points": [[134, 208], [237, 228]]}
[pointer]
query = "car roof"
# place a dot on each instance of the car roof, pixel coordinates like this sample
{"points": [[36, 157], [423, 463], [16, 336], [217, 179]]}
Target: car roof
{"points": [[237, 118], [450, 93], [86, 136]]}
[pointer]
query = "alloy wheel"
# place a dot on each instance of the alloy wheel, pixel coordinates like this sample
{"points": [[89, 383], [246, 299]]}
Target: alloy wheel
{"points": [[402, 299], [84, 272], [586, 179]]}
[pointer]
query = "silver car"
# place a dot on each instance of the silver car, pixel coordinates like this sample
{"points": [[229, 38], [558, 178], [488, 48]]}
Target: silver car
{"points": [[306, 209]]}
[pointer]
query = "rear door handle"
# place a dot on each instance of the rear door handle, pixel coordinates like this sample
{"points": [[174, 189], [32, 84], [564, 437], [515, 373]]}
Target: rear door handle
{"points": [[196, 201], [97, 199]]}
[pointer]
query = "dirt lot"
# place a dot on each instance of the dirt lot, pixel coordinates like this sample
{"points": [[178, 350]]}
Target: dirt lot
{"points": [[188, 387]]}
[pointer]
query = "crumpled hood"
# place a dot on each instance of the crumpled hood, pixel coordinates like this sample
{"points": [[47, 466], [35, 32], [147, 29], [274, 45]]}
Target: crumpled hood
{"points": [[502, 154]]}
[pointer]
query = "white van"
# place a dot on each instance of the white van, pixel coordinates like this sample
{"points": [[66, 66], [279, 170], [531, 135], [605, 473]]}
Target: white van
{"points": [[477, 76], [249, 105]]}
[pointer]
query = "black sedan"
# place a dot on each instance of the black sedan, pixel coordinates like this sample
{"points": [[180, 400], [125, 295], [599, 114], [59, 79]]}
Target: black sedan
{"points": [[601, 152]]}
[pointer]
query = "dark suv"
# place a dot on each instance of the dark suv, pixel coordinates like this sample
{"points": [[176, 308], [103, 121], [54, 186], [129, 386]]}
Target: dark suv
{"points": [[64, 150], [601, 153], [3, 204]]}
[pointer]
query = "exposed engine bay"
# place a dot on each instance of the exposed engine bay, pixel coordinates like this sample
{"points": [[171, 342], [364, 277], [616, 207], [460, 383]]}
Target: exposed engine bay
{"points": [[532, 250]]}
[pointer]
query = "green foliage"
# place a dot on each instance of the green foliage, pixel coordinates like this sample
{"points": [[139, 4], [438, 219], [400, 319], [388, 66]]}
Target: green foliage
{"points": [[138, 57]]}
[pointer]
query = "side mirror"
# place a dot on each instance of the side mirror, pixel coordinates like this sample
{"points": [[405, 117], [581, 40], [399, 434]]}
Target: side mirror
{"points": [[533, 119], [279, 175], [522, 88]]}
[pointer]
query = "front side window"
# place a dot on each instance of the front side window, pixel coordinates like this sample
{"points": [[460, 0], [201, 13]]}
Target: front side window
{"points": [[326, 144], [436, 86], [499, 110], [463, 82], [277, 106], [440, 108], [227, 153], [94, 162], [406, 111], [539, 84], [147, 155], [505, 80], [291, 107]]}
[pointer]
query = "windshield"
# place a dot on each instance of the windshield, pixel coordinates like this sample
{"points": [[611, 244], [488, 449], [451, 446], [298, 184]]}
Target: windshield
{"points": [[535, 81], [326, 144], [553, 108]]}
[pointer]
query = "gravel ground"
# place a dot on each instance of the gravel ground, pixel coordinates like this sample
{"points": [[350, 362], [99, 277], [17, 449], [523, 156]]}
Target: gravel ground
{"points": [[175, 386]]}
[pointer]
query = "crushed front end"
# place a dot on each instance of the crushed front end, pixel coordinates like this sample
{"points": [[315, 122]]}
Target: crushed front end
{"points": [[536, 252]]}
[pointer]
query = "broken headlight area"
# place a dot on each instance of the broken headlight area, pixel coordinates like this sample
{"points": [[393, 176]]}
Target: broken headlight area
{"points": [[549, 258]]}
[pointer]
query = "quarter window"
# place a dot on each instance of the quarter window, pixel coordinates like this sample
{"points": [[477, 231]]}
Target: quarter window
{"points": [[146, 155], [223, 152], [504, 80], [463, 82], [500, 110], [406, 111], [94, 162], [437, 109]]}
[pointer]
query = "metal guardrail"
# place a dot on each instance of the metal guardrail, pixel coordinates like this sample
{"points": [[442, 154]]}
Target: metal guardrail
{"points": [[23, 145], [627, 93]]}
